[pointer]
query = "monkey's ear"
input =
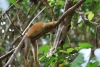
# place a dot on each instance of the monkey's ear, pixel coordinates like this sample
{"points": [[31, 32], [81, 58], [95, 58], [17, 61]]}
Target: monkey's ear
{"points": [[35, 1]]}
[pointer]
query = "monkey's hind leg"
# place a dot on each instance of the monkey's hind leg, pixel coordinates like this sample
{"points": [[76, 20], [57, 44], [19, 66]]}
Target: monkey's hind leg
{"points": [[35, 53]]}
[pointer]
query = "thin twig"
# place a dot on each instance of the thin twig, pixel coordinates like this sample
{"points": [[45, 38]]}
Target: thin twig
{"points": [[34, 12], [7, 29], [9, 21], [7, 54]]}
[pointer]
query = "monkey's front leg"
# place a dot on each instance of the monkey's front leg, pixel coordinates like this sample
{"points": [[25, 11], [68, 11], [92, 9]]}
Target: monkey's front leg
{"points": [[35, 53], [27, 51]]}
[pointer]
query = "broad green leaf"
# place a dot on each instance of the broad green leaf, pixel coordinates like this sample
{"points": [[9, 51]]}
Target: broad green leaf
{"points": [[78, 61], [77, 48], [94, 63], [90, 15], [66, 45], [85, 45], [70, 50], [63, 51]]}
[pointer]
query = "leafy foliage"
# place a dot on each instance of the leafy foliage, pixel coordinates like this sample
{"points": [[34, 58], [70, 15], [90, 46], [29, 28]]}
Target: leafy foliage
{"points": [[78, 61], [82, 33], [13, 2], [85, 45]]}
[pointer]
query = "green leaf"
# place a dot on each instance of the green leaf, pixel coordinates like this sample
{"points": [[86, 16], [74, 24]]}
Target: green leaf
{"points": [[44, 49], [13, 2], [85, 45], [49, 61], [78, 61], [77, 48], [95, 63], [42, 58], [90, 15], [69, 50], [63, 51], [60, 3], [61, 58], [66, 45]]}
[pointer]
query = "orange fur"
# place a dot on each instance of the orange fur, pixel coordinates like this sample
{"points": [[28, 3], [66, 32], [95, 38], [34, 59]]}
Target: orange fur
{"points": [[38, 28]]}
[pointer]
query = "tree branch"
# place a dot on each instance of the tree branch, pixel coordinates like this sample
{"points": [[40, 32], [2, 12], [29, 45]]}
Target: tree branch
{"points": [[6, 55]]}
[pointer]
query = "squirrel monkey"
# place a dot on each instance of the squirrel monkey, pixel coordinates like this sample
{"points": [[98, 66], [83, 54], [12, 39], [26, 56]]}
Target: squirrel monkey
{"points": [[33, 31]]}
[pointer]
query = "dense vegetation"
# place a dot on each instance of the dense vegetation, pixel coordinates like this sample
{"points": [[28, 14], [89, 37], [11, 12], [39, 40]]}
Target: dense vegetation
{"points": [[79, 28]]}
